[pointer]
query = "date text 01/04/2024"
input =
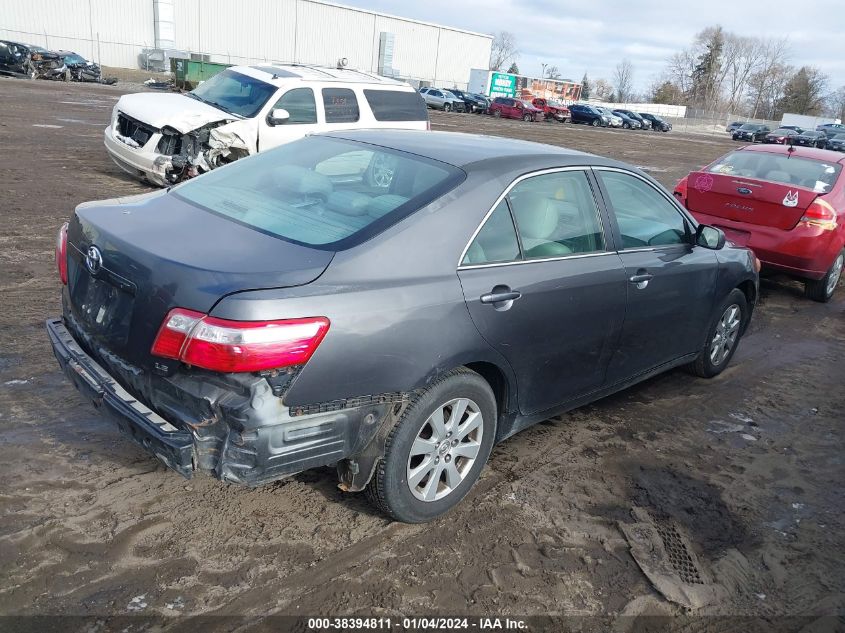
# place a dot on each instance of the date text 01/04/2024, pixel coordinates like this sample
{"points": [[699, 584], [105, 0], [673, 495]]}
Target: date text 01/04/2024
{"points": [[413, 624]]}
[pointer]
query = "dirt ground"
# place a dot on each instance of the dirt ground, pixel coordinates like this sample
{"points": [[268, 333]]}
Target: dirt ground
{"points": [[748, 466]]}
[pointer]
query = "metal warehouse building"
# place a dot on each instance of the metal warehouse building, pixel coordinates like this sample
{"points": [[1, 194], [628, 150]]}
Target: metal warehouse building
{"points": [[114, 33]]}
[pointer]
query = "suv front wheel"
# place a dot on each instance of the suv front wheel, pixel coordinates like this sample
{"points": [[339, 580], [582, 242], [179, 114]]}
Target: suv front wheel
{"points": [[437, 450]]}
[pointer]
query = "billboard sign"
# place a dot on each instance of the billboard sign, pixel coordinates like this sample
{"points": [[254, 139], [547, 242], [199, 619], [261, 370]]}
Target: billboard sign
{"points": [[502, 85]]}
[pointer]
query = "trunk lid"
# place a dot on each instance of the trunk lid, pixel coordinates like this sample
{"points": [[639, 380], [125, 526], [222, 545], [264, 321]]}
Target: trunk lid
{"points": [[748, 200], [158, 252]]}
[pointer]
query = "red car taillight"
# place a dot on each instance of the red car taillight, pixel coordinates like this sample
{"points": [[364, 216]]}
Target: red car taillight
{"points": [[61, 253], [237, 346], [681, 191], [820, 214]]}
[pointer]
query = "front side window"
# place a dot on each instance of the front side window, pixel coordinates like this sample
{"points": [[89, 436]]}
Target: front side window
{"points": [[341, 105], [556, 215], [321, 192], [300, 104], [645, 217], [234, 93]]}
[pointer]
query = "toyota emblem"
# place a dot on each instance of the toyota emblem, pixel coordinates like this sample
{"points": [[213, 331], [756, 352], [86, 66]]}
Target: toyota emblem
{"points": [[93, 260]]}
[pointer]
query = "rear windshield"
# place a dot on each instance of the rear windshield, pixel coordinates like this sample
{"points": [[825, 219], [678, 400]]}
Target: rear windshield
{"points": [[751, 126], [817, 175], [322, 192], [395, 105], [784, 131]]}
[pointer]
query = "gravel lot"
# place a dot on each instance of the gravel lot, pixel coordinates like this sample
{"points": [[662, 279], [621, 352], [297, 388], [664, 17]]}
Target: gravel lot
{"points": [[749, 466]]}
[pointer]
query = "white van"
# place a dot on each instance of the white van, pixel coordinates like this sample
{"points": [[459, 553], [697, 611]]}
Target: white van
{"points": [[164, 138]]}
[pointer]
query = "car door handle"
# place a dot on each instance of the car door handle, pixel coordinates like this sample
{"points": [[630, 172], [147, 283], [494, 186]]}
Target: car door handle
{"points": [[640, 278], [498, 297]]}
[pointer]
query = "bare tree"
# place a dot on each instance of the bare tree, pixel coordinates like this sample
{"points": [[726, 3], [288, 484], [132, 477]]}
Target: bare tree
{"points": [[742, 56], [602, 90], [552, 72], [503, 50], [836, 104], [623, 80], [679, 69], [765, 85]]}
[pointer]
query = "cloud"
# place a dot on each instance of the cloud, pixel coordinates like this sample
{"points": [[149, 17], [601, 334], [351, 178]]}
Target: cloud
{"points": [[593, 37]]}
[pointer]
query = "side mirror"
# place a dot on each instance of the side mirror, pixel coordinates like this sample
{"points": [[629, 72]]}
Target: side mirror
{"points": [[277, 116], [710, 237]]}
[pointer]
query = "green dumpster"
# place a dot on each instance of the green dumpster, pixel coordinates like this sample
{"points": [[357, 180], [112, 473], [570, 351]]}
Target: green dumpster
{"points": [[187, 73]]}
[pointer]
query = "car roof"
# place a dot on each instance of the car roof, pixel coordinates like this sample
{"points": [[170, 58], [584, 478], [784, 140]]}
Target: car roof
{"points": [[277, 74], [460, 149], [801, 152]]}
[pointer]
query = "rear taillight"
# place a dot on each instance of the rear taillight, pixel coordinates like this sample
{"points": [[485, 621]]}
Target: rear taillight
{"points": [[61, 253], [820, 214], [681, 191], [237, 346]]}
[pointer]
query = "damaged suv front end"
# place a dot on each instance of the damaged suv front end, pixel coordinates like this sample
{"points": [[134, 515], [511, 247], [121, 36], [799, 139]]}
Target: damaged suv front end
{"points": [[165, 138]]}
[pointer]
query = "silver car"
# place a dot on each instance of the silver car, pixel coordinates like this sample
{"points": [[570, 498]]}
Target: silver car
{"points": [[441, 99]]}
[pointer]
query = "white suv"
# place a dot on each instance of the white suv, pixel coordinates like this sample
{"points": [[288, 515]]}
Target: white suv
{"points": [[164, 138]]}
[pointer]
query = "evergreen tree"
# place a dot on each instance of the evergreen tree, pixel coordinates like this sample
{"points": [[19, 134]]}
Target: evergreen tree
{"points": [[513, 69], [585, 87]]}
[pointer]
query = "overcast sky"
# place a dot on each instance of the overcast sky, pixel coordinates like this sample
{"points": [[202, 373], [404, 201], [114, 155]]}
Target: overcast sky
{"points": [[593, 36]]}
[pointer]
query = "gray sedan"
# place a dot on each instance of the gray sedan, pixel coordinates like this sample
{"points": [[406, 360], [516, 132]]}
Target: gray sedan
{"points": [[392, 303]]}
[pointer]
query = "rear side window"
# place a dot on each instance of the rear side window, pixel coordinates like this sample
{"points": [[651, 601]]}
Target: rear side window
{"points": [[341, 105], [496, 241], [556, 215], [819, 176], [395, 105], [322, 192]]}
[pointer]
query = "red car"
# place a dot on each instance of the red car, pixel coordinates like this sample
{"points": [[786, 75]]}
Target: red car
{"points": [[787, 204], [553, 111], [514, 109]]}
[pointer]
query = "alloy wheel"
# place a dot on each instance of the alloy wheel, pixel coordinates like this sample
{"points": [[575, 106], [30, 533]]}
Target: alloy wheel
{"points": [[725, 337], [445, 449], [834, 274]]}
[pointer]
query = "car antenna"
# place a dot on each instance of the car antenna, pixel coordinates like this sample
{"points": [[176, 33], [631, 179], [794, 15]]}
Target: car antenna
{"points": [[791, 147]]}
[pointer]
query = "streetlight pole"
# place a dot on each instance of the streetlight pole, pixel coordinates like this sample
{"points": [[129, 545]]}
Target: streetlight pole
{"points": [[543, 72]]}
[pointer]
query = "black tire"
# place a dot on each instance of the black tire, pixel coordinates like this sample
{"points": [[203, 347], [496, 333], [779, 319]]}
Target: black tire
{"points": [[704, 365], [527, 118], [447, 107], [497, 114], [822, 290], [389, 490], [596, 123], [627, 126]]}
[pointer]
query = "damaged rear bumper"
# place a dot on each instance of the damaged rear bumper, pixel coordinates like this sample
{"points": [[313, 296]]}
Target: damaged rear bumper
{"points": [[144, 426], [232, 426]]}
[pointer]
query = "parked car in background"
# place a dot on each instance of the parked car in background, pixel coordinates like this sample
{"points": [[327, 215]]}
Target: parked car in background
{"points": [[629, 123], [751, 132], [787, 204], [441, 100], [33, 62], [583, 113], [482, 103], [613, 119], [467, 312], [791, 127], [514, 109], [644, 123], [781, 135], [80, 69], [166, 138], [734, 126], [831, 129], [811, 138], [836, 143], [658, 124], [472, 102], [554, 111]]}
